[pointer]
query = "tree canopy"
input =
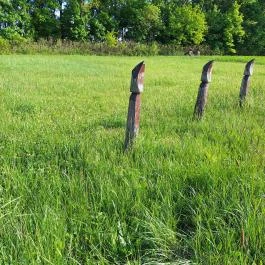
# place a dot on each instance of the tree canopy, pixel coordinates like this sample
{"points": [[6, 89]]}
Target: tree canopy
{"points": [[228, 26]]}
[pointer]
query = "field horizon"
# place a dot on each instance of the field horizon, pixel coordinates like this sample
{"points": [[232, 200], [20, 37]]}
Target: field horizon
{"points": [[189, 192]]}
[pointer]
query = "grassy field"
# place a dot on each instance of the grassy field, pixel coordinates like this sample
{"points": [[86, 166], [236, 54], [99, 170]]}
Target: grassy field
{"points": [[190, 192]]}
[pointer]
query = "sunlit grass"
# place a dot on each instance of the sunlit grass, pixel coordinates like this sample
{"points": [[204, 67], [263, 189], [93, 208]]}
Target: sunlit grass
{"points": [[189, 192]]}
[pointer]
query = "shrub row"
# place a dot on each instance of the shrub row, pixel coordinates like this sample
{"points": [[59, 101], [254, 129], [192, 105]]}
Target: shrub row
{"points": [[90, 48]]}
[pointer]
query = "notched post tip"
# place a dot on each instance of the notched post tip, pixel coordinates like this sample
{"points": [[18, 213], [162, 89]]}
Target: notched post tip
{"points": [[249, 68], [207, 72], [137, 80], [137, 69]]}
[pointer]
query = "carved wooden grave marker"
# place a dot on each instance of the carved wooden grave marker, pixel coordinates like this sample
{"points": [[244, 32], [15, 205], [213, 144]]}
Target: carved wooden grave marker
{"points": [[133, 119], [206, 78], [246, 82]]}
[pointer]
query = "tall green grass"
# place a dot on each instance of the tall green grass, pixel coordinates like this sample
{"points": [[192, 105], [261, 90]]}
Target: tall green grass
{"points": [[189, 192]]}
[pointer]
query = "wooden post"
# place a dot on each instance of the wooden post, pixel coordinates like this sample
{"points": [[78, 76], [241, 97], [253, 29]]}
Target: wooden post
{"points": [[133, 119], [246, 82], [206, 78]]}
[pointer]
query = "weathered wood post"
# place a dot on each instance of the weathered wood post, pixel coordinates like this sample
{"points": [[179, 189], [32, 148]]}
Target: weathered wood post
{"points": [[246, 82], [206, 78], [133, 119]]}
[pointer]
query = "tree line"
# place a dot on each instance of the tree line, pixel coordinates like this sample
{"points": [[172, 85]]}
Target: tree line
{"points": [[226, 26]]}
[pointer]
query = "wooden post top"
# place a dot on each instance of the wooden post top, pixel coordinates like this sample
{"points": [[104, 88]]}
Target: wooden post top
{"points": [[207, 72], [249, 68], [137, 81]]}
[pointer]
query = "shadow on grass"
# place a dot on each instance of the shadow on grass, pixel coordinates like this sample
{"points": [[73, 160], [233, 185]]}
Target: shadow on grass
{"points": [[22, 109], [110, 123]]}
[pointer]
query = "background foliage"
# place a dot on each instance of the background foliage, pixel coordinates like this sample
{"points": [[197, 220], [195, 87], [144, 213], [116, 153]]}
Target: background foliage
{"points": [[225, 26]]}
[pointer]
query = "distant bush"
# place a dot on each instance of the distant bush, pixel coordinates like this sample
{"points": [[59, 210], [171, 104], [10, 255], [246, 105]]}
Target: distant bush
{"points": [[109, 47], [4, 46], [111, 39], [171, 50]]}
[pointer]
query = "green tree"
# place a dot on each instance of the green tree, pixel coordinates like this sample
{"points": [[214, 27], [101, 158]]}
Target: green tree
{"points": [[151, 22], [15, 19], [225, 29], [187, 25], [254, 26], [234, 31], [46, 23], [74, 20]]}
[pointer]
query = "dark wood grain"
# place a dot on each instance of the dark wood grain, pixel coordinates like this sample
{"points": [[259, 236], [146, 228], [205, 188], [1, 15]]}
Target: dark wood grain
{"points": [[245, 84], [133, 118], [201, 102]]}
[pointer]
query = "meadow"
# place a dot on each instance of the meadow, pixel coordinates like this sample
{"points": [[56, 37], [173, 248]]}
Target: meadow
{"points": [[189, 192]]}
